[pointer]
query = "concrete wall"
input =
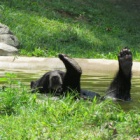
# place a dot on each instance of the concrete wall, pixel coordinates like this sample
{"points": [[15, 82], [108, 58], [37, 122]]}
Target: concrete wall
{"points": [[34, 64]]}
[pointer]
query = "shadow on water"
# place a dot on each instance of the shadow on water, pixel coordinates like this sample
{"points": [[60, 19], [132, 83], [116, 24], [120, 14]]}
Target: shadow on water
{"points": [[97, 83]]}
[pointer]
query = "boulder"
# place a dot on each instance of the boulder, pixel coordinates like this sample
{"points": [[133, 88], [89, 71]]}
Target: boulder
{"points": [[7, 37], [9, 40], [7, 50]]}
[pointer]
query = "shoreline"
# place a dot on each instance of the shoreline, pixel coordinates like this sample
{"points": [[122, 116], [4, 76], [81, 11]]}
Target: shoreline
{"points": [[36, 64]]}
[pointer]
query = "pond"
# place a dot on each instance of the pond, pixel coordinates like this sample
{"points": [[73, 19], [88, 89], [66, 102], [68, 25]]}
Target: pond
{"points": [[99, 83], [95, 82]]}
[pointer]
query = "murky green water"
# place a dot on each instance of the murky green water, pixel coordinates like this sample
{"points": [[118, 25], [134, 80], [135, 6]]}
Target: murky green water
{"points": [[100, 84], [96, 82]]}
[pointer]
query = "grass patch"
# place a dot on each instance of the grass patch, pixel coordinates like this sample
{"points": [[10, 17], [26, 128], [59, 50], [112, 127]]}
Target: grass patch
{"points": [[33, 116], [89, 29]]}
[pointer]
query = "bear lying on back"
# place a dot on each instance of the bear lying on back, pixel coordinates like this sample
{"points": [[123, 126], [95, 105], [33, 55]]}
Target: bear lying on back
{"points": [[66, 81], [59, 82]]}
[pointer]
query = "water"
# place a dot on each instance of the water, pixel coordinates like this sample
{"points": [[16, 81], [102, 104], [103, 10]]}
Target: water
{"points": [[95, 82], [100, 83]]}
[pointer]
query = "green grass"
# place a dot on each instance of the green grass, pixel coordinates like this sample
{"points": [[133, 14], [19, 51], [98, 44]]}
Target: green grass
{"points": [[26, 116], [85, 29]]}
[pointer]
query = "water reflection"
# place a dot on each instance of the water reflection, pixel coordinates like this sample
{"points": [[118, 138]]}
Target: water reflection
{"points": [[100, 84], [97, 83]]}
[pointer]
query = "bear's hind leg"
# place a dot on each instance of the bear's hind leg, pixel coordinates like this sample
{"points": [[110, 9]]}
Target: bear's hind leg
{"points": [[73, 74], [121, 85]]}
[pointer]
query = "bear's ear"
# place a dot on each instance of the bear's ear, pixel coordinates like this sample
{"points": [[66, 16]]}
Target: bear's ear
{"points": [[32, 84]]}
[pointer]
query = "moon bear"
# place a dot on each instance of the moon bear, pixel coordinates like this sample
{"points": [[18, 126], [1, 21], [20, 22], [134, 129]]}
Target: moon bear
{"points": [[59, 82]]}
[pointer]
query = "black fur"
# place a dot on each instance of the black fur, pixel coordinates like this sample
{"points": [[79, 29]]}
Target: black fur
{"points": [[43, 84], [70, 78], [121, 85], [73, 74]]}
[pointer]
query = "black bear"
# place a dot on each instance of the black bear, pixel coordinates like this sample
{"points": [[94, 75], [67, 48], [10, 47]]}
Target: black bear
{"points": [[65, 81], [50, 82], [70, 80], [59, 82], [121, 85]]}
